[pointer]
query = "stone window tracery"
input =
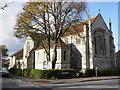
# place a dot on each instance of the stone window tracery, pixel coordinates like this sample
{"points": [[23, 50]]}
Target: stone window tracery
{"points": [[64, 55], [99, 42]]}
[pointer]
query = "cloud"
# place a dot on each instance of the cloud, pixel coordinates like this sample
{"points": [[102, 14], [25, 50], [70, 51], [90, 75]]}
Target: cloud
{"points": [[7, 23]]}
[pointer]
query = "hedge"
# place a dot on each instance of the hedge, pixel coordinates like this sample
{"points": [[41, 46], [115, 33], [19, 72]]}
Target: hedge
{"points": [[46, 74], [63, 73], [102, 72], [108, 72]]}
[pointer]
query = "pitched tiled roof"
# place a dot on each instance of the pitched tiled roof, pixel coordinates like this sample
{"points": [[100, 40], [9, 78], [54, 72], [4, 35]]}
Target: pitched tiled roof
{"points": [[19, 52], [60, 44], [79, 27], [91, 19]]}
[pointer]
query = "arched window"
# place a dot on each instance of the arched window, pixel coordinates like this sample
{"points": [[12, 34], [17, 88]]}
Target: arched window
{"points": [[28, 48], [19, 65], [64, 55], [99, 42]]}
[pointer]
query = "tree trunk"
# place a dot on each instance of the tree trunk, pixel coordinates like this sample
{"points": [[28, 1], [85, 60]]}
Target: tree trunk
{"points": [[48, 49], [54, 58]]}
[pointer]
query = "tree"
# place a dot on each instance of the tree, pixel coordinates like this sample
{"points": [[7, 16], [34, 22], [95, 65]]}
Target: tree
{"points": [[3, 51], [52, 19]]}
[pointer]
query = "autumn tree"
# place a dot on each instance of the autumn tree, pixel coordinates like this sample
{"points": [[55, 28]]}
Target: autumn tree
{"points": [[52, 19]]}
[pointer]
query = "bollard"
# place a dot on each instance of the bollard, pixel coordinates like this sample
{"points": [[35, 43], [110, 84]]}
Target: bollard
{"points": [[96, 71]]}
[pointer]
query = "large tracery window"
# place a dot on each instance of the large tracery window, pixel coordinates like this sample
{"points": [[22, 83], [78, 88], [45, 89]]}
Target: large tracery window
{"points": [[99, 42]]}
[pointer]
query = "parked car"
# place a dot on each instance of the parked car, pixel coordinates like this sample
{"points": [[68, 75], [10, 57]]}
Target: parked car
{"points": [[4, 72]]}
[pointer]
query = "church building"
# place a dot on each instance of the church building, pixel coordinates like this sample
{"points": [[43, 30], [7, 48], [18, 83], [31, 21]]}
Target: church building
{"points": [[89, 44]]}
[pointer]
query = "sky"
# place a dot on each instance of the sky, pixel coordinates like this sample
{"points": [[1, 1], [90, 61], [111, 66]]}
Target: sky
{"points": [[107, 10], [8, 17]]}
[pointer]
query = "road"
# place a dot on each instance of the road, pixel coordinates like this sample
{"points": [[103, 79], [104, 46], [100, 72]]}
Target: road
{"points": [[99, 85], [15, 83]]}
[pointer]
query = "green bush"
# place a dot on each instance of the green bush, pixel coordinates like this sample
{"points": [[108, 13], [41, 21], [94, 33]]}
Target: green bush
{"points": [[108, 72], [13, 70], [89, 72], [26, 72], [35, 73], [18, 71], [63, 73], [47, 74], [102, 72]]}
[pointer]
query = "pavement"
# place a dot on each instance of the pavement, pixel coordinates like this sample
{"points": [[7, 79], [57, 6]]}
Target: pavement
{"points": [[62, 81]]}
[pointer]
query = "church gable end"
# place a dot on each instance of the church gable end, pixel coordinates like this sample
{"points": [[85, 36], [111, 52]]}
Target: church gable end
{"points": [[28, 46], [99, 23], [101, 44], [29, 53]]}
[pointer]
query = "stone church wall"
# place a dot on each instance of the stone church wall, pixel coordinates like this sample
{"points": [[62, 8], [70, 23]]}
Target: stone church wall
{"points": [[40, 57], [78, 49], [102, 61], [118, 59]]}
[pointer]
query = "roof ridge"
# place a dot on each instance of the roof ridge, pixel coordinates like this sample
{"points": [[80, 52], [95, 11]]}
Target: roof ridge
{"points": [[16, 52], [88, 19]]}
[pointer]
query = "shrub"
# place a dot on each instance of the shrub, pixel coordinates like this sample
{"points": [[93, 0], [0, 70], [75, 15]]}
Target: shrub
{"points": [[13, 70], [35, 73], [108, 72], [47, 74], [26, 72], [18, 72], [90, 72], [63, 73], [102, 72], [53, 73]]}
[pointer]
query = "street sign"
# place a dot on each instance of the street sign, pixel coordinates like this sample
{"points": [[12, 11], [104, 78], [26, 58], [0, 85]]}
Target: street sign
{"points": [[47, 65], [65, 72]]}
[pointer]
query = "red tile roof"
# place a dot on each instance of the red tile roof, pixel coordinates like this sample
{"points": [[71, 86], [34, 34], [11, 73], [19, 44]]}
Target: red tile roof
{"points": [[18, 54], [60, 44], [79, 27]]}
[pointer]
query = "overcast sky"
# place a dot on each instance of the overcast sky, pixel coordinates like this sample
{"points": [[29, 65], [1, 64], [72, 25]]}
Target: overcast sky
{"points": [[7, 23], [8, 20]]}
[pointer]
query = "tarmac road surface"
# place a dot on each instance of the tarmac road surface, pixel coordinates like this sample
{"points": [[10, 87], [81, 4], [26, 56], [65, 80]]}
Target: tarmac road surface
{"points": [[11, 84]]}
